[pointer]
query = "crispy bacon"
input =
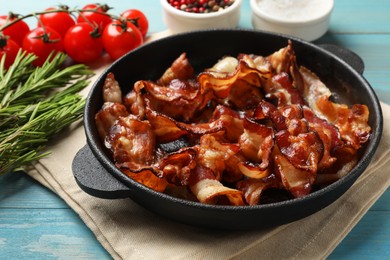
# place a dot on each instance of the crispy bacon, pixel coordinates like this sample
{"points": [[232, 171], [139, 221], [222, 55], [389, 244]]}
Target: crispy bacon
{"points": [[256, 144], [299, 182], [111, 90], [214, 152], [244, 96], [107, 116], [281, 88], [176, 167], [164, 127], [304, 150], [134, 100], [288, 118], [210, 191], [180, 69], [132, 141], [226, 65], [282, 59], [147, 178], [220, 83], [179, 100], [254, 188], [244, 127], [329, 135], [351, 122]]}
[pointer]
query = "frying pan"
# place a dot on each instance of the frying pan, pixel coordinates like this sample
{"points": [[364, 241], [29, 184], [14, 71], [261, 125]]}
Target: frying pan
{"points": [[97, 175]]}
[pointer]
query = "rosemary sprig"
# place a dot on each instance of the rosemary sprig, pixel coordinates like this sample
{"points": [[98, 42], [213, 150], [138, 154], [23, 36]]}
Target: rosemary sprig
{"points": [[35, 104]]}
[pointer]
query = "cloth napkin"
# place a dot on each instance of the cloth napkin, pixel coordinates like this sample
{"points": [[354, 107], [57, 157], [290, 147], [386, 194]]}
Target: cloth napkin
{"points": [[128, 231]]}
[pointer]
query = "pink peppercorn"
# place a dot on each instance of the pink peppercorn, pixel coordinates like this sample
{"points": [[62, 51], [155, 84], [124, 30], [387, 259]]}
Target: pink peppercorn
{"points": [[200, 6]]}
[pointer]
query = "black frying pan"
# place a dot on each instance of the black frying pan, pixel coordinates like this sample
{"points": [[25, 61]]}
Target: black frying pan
{"points": [[96, 174]]}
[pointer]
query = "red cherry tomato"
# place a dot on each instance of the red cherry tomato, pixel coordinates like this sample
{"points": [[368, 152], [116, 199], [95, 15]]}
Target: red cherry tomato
{"points": [[83, 43], [10, 49], [16, 31], [120, 37], [139, 18], [95, 18], [60, 21], [42, 42]]}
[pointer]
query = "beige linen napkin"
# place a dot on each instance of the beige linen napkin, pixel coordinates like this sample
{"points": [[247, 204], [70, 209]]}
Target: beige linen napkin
{"points": [[128, 231]]}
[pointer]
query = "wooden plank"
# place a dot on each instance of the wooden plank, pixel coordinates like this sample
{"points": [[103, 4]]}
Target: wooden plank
{"points": [[18, 190], [44, 233], [383, 203], [367, 17], [370, 239]]}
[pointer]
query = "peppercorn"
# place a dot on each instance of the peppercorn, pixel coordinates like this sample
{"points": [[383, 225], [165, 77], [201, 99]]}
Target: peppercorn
{"points": [[200, 6]]}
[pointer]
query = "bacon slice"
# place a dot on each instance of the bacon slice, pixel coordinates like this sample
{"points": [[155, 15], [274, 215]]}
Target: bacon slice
{"points": [[176, 167], [256, 144], [280, 87], [180, 69], [289, 117], [254, 188], [164, 127], [352, 123], [147, 178], [132, 141], [210, 191], [107, 116], [244, 96], [225, 65], [221, 84], [214, 152], [329, 135], [304, 150], [260, 63], [282, 59], [111, 90], [179, 100], [134, 100], [299, 182]]}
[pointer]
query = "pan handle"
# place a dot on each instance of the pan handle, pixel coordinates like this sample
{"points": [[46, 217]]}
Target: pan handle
{"points": [[94, 179], [350, 57]]}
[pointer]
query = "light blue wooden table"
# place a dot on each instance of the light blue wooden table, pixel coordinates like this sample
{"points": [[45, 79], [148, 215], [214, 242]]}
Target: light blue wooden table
{"points": [[36, 224]]}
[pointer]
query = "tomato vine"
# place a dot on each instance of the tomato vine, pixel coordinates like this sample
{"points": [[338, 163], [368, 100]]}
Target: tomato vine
{"points": [[58, 33]]}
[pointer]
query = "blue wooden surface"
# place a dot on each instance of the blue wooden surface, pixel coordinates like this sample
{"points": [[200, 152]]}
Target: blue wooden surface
{"points": [[36, 224]]}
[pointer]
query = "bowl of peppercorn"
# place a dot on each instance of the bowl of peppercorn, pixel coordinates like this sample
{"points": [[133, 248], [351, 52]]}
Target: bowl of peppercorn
{"points": [[191, 15]]}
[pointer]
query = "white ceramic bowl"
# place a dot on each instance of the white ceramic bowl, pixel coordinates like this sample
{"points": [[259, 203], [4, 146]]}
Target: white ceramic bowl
{"points": [[305, 19], [179, 21]]}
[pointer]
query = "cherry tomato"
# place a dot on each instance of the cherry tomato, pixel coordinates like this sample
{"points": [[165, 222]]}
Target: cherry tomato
{"points": [[60, 21], [95, 18], [120, 37], [42, 42], [9, 48], [83, 43], [139, 19], [16, 31]]}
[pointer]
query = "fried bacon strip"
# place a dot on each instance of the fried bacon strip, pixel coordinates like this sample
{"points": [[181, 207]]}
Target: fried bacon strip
{"points": [[107, 116], [221, 83], [132, 141], [254, 188], [111, 90], [215, 152], [225, 136], [180, 69], [209, 190], [256, 144], [351, 122]]}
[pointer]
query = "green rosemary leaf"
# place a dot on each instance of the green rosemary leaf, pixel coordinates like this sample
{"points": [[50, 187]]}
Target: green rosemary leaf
{"points": [[36, 104]]}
